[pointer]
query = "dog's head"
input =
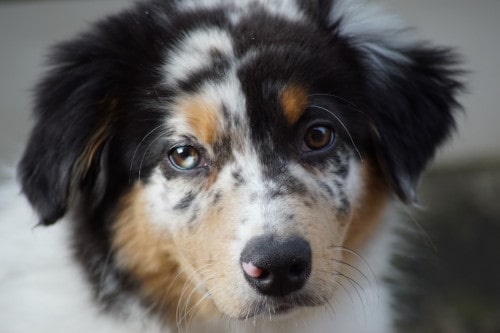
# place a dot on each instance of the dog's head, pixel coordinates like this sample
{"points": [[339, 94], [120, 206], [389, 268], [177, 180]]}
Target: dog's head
{"points": [[223, 156]]}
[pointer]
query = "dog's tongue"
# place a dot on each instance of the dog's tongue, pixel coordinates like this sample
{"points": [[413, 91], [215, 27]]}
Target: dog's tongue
{"points": [[251, 270]]}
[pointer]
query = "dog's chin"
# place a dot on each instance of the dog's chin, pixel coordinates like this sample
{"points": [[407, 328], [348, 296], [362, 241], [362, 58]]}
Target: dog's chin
{"points": [[277, 309], [276, 312]]}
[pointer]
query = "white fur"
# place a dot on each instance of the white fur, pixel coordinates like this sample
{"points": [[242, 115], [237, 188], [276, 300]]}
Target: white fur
{"points": [[193, 53], [41, 287]]}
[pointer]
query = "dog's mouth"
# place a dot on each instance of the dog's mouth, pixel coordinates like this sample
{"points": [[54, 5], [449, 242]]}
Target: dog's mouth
{"points": [[270, 311], [285, 309], [273, 307]]}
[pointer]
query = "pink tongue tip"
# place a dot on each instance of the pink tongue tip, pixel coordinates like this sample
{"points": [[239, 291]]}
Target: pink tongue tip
{"points": [[251, 270]]}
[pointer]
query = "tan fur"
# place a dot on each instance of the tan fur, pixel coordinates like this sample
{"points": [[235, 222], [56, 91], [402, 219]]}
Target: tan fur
{"points": [[152, 258], [96, 142], [369, 209], [294, 102], [202, 117]]}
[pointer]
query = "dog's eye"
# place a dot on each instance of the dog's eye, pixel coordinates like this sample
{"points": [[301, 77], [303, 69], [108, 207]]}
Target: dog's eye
{"points": [[318, 137], [185, 157]]}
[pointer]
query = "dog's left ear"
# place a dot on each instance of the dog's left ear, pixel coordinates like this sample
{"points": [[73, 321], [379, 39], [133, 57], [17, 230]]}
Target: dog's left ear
{"points": [[410, 90], [411, 106]]}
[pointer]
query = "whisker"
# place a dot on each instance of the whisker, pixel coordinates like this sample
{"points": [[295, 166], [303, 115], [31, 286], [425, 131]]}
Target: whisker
{"points": [[185, 300], [355, 286], [339, 98], [346, 290], [344, 126], [145, 153], [329, 305], [354, 268], [137, 148], [187, 284], [167, 292], [360, 258], [352, 282], [422, 231], [188, 299], [158, 95], [190, 313]]}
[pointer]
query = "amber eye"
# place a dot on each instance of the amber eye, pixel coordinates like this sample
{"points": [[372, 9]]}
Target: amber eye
{"points": [[185, 157], [318, 137]]}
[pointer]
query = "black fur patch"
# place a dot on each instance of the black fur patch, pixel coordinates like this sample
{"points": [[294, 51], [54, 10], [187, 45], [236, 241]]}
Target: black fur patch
{"points": [[185, 202]]}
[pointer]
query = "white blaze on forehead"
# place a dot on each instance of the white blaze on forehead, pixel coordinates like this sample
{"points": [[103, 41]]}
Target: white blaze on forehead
{"points": [[194, 52]]}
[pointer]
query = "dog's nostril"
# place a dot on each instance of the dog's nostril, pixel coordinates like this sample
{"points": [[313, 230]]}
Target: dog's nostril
{"points": [[276, 266], [296, 270]]}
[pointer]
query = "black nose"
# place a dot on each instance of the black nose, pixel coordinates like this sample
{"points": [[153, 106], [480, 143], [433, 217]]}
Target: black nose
{"points": [[276, 266]]}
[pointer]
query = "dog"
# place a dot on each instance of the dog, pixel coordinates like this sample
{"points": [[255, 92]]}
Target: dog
{"points": [[222, 165]]}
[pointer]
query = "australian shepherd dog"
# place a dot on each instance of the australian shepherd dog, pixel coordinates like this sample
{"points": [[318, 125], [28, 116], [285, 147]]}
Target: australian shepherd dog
{"points": [[221, 166]]}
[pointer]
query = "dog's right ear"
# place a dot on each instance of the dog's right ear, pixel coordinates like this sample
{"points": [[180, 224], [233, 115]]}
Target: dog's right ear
{"points": [[92, 85], [71, 128]]}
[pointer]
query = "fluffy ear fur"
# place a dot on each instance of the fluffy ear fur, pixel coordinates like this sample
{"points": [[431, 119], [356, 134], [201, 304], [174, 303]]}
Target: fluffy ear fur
{"points": [[89, 115], [63, 150], [410, 88], [418, 117]]}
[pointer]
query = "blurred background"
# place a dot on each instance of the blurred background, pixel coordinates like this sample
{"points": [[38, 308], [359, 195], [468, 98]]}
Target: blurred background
{"points": [[452, 258]]}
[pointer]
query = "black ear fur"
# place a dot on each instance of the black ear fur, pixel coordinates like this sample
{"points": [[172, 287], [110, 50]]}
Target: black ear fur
{"points": [[412, 108], [66, 112], [79, 109], [410, 89]]}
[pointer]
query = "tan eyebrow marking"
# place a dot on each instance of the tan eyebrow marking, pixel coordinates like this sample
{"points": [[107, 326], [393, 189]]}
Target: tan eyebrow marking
{"points": [[294, 101], [203, 117]]}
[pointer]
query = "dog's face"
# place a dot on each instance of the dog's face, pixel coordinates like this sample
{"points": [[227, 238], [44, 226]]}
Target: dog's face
{"points": [[223, 157], [237, 168], [256, 161]]}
